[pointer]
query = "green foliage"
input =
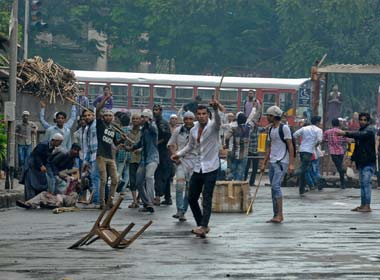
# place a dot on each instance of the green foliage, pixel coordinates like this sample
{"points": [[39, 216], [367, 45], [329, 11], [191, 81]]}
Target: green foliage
{"points": [[281, 38]]}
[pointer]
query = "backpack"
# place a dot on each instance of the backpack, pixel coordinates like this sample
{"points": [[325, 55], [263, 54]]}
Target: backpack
{"points": [[281, 133]]}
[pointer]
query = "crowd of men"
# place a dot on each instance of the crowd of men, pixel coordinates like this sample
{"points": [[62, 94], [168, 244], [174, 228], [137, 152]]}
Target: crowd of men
{"points": [[147, 154]]}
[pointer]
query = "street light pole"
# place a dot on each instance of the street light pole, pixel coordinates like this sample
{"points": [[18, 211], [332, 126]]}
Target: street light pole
{"points": [[10, 107], [26, 28]]}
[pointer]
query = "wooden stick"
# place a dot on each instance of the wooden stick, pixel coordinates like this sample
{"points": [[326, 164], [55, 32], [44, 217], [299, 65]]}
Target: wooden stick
{"points": [[76, 103], [120, 130], [254, 196]]}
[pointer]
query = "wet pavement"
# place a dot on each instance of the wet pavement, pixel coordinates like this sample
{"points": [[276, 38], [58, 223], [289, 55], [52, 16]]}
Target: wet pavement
{"points": [[320, 239]]}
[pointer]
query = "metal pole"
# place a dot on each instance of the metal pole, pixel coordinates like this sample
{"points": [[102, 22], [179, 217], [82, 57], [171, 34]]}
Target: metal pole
{"points": [[26, 28], [12, 96]]}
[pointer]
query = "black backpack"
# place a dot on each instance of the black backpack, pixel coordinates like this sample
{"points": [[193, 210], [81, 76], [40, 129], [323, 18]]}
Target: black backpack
{"points": [[281, 133]]}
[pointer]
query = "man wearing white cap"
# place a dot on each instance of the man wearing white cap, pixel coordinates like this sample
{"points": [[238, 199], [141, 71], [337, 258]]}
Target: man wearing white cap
{"points": [[184, 167], [280, 153], [173, 122], [149, 160], [34, 177], [25, 132]]}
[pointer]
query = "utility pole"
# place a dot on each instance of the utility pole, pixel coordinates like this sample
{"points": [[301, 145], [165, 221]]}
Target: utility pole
{"points": [[26, 28], [11, 105]]}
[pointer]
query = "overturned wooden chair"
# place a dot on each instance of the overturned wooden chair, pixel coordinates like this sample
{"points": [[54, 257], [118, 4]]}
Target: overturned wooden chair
{"points": [[103, 230]]}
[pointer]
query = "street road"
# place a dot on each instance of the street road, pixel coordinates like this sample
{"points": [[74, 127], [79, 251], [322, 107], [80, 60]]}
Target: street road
{"points": [[320, 238]]}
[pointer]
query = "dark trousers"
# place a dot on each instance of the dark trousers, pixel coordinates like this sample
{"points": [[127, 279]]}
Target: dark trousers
{"points": [[202, 183], [338, 161], [305, 167], [253, 161], [161, 178], [132, 176]]}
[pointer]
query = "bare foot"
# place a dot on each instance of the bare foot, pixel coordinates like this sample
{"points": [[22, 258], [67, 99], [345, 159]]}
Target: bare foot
{"points": [[276, 219]]}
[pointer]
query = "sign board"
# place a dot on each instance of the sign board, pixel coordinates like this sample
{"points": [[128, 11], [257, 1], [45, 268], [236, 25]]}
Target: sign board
{"points": [[304, 97], [9, 111]]}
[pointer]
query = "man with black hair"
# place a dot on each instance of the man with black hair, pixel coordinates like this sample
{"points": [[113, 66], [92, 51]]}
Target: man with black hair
{"points": [[364, 157], [280, 154], [311, 136], [240, 144], [61, 126], [82, 100], [336, 147], [204, 140], [106, 92], [164, 172]]}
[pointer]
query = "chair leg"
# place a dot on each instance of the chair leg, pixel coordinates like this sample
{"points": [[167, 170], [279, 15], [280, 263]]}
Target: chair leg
{"points": [[111, 213], [81, 241], [92, 241], [137, 234], [123, 234]]}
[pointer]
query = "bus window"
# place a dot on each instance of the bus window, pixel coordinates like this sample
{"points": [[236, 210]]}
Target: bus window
{"points": [[162, 95], [206, 94], [94, 90], [229, 97], [183, 95], [120, 95], [269, 100], [140, 96], [286, 103]]}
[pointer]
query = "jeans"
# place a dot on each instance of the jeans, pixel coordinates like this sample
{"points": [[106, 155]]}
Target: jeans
{"points": [[277, 172], [23, 154], [338, 161], [254, 161], [123, 172], [95, 181], [107, 167], [365, 175], [145, 182], [313, 177], [238, 167], [305, 167], [181, 190], [202, 183]]}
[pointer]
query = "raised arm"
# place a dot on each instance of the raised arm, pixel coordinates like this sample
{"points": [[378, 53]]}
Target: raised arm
{"points": [[73, 116], [100, 105], [44, 123]]}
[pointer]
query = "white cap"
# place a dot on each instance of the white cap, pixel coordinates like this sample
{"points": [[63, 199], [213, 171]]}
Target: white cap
{"points": [[189, 114], [274, 111], [26, 113], [57, 136], [107, 112], [173, 116], [147, 113]]}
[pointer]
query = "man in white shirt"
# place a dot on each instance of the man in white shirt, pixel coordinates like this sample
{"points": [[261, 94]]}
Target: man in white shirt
{"points": [[204, 140], [311, 136], [280, 153]]}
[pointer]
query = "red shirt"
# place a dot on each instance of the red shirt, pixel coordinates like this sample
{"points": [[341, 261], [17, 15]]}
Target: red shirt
{"points": [[335, 143]]}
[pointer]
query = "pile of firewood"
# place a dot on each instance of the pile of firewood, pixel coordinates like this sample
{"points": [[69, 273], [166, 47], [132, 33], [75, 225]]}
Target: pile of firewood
{"points": [[47, 80]]}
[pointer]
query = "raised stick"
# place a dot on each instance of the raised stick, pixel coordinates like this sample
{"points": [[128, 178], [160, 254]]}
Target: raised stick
{"points": [[254, 196]]}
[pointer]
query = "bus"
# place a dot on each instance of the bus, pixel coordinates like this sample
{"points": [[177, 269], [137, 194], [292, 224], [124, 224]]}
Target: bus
{"points": [[136, 91]]}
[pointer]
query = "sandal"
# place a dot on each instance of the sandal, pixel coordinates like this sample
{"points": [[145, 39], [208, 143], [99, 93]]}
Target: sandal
{"points": [[133, 205], [356, 209]]}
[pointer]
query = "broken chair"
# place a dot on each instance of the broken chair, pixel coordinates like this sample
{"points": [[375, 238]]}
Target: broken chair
{"points": [[103, 230]]}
